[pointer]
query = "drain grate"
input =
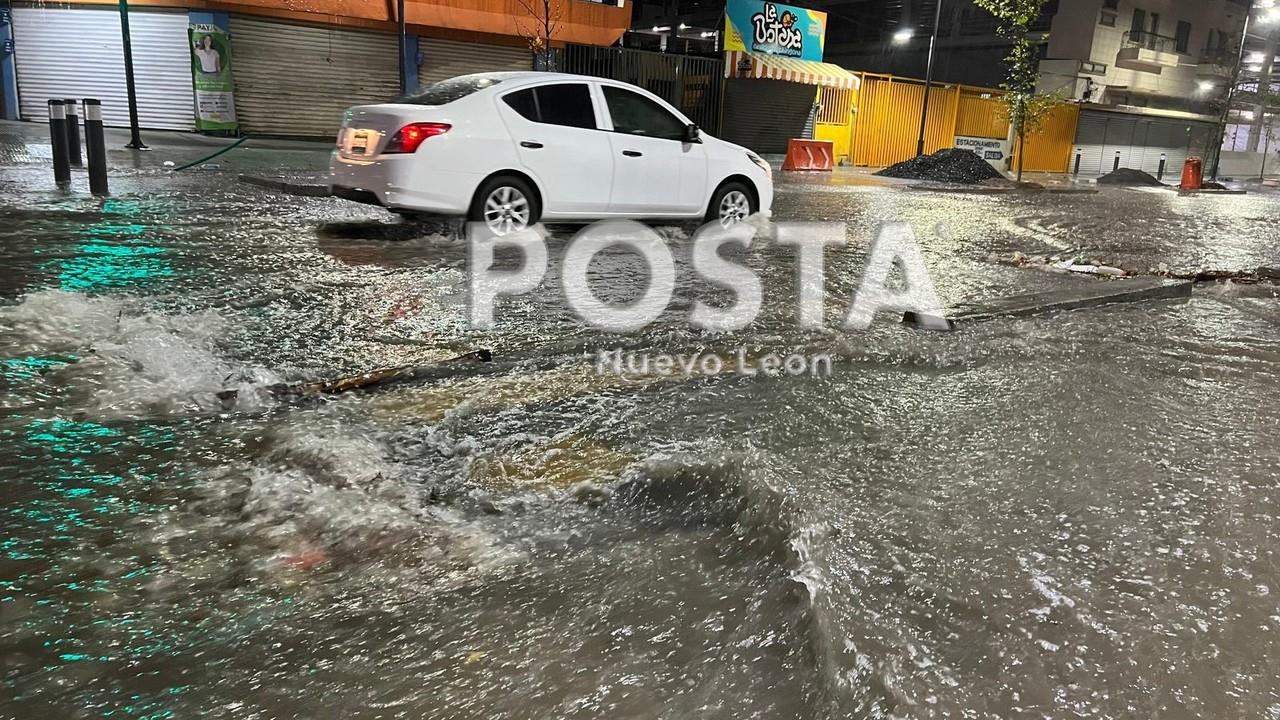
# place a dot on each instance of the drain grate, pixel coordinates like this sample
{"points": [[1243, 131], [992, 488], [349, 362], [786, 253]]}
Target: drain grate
{"points": [[14, 151]]}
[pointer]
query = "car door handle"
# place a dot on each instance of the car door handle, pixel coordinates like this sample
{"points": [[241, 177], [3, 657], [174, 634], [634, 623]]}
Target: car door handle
{"points": [[530, 144], [632, 153]]}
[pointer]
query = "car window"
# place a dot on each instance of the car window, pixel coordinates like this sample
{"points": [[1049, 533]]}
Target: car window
{"points": [[635, 114], [523, 102], [567, 104], [447, 91]]}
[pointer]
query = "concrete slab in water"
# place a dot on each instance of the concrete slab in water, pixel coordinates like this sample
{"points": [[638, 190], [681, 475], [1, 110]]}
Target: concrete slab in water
{"points": [[1102, 292]]}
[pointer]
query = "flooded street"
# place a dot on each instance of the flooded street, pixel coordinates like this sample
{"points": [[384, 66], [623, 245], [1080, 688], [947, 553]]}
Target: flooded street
{"points": [[1069, 515]]}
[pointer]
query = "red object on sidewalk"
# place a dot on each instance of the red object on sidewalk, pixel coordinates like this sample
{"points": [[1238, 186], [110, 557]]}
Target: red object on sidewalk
{"points": [[809, 155], [1192, 174]]}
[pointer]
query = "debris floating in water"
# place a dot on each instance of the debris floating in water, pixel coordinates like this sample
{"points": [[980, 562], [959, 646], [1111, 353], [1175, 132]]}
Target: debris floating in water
{"points": [[950, 165], [1075, 264]]}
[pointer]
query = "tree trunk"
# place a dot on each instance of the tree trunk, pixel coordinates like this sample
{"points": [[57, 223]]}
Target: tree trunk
{"points": [[1022, 134]]}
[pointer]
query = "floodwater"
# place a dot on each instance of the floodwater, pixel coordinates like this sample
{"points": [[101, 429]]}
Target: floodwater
{"points": [[1064, 516]]}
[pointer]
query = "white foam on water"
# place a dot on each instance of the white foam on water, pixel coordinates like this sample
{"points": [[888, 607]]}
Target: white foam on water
{"points": [[132, 361], [329, 486]]}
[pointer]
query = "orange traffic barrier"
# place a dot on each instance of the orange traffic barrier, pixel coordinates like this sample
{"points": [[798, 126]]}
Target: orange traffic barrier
{"points": [[809, 155], [1192, 174]]}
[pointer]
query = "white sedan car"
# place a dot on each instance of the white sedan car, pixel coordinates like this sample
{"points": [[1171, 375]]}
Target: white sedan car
{"points": [[511, 149]]}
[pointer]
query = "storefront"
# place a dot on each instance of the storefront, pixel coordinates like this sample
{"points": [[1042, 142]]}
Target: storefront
{"points": [[269, 67], [1138, 141], [773, 65], [297, 79], [74, 52], [443, 59]]}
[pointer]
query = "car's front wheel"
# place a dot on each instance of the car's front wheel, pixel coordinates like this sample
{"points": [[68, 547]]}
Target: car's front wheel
{"points": [[732, 203], [505, 204]]}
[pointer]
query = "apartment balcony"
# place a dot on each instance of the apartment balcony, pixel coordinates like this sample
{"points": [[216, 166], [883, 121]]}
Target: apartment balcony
{"points": [[1147, 52]]}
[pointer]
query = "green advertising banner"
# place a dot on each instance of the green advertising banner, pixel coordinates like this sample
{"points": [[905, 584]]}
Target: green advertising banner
{"points": [[211, 77]]}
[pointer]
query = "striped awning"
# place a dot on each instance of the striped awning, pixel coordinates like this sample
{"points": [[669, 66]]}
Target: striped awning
{"points": [[740, 63]]}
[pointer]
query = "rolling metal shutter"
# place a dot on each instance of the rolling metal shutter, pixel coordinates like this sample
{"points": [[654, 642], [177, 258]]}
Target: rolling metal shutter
{"points": [[443, 59], [763, 114], [1121, 134], [1176, 139], [1091, 133], [76, 53], [297, 79], [1139, 140]]}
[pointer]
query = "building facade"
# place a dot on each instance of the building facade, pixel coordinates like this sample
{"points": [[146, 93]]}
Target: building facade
{"points": [[271, 67], [1150, 76], [893, 38], [1172, 55]]}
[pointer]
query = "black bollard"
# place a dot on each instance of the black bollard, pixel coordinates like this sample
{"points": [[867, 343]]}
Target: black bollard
{"points": [[95, 147], [58, 139], [1076, 171], [1116, 164], [1164, 157], [73, 132]]}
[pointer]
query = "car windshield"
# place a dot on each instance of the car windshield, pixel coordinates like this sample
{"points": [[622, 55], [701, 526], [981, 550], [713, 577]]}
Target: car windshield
{"points": [[447, 91]]}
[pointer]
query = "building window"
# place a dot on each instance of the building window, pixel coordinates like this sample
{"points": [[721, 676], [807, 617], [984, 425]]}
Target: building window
{"points": [[1110, 4], [1088, 67], [1107, 19], [1182, 41]]}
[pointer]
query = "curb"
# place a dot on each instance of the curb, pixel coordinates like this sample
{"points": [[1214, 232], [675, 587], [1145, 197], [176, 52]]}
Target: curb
{"points": [[1097, 293], [988, 190], [1213, 191]]}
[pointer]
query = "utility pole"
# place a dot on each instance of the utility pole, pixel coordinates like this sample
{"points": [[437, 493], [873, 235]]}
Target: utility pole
{"points": [[928, 76], [135, 135], [1264, 90], [1231, 93]]}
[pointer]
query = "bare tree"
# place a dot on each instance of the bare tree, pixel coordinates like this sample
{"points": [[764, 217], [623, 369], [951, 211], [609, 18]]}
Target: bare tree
{"points": [[538, 25]]}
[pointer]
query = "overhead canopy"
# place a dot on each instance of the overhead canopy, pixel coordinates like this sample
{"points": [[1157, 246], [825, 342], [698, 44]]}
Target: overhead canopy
{"points": [[740, 63]]}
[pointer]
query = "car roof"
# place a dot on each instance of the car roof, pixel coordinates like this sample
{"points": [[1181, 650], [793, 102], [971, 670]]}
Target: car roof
{"points": [[514, 79], [524, 76]]}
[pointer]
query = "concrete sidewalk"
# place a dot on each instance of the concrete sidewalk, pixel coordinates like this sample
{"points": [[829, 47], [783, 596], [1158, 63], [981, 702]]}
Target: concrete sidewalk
{"points": [[27, 143]]}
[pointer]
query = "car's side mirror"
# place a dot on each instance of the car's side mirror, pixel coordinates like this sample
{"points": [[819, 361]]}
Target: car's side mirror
{"points": [[691, 133]]}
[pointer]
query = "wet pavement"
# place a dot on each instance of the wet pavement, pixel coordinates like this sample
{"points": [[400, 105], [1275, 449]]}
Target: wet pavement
{"points": [[1071, 515]]}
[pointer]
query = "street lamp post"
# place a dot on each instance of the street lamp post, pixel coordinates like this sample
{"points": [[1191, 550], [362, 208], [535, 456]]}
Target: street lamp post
{"points": [[135, 135], [928, 76]]}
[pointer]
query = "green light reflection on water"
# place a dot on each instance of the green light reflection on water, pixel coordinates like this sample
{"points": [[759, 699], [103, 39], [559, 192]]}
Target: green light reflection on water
{"points": [[114, 253], [80, 495], [25, 368]]}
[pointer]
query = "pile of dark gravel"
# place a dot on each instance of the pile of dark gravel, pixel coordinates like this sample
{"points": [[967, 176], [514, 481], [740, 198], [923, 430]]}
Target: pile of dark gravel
{"points": [[1129, 176], [949, 166]]}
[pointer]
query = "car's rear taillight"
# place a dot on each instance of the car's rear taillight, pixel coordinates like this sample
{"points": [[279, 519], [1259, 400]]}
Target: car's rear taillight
{"points": [[408, 138]]}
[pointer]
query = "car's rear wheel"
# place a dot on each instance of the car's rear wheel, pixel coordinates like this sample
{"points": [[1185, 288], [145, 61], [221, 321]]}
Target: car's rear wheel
{"points": [[505, 204], [732, 203]]}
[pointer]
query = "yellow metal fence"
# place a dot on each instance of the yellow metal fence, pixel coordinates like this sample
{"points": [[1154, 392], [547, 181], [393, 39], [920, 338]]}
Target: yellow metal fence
{"points": [[1049, 144], [879, 123]]}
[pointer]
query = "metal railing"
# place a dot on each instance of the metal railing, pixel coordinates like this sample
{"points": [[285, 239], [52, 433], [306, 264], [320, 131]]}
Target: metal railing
{"points": [[691, 84], [1149, 41]]}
